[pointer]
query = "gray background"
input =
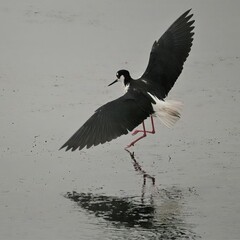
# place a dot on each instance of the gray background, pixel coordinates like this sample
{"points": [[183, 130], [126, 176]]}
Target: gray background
{"points": [[56, 59]]}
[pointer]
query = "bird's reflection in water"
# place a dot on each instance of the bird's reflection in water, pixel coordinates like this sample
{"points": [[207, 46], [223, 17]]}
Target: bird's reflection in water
{"points": [[119, 210], [160, 213], [161, 216]]}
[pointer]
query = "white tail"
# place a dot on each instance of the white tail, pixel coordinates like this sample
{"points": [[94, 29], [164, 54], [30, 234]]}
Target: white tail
{"points": [[167, 111]]}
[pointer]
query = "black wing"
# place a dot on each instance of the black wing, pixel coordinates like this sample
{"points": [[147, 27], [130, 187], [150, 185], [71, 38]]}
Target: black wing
{"points": [[110, 121], [168, 55]]}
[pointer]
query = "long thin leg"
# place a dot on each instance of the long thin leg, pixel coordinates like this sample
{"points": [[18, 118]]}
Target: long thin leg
{"points": [[153, 127], [152, 131], [144, 135]]}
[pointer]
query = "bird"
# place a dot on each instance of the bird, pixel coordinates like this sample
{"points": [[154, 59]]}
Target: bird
{"points": [[144, 97]]}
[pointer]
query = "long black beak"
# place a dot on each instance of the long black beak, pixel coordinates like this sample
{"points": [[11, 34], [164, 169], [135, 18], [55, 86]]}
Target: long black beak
{"points": [[113, 82]]}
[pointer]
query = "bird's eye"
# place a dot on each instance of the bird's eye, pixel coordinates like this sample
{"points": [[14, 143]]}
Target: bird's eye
{"points": [[117, 75]]}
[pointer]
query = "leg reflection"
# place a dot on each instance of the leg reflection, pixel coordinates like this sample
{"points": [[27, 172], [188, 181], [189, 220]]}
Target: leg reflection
{"points": [[139, 169]]}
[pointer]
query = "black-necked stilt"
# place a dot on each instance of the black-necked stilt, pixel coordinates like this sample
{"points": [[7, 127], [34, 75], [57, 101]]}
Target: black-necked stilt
{"points": [[145, 96]]}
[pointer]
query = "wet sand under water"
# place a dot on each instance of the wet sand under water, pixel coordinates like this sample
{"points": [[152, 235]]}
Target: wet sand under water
{"points": [[56, 60]]}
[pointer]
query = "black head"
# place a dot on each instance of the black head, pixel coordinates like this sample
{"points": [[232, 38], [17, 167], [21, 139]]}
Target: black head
{"points": [[122, 74]]}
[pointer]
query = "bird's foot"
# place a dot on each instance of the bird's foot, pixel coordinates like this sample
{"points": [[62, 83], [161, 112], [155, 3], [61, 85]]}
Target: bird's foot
{"points": [[128, 146]]}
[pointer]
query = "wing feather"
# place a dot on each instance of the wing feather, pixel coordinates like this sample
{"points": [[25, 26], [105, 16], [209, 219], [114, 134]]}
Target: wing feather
{"points": [[110, 121], [168, 55]]}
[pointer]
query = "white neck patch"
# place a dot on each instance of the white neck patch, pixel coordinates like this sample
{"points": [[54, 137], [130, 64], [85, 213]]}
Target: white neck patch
{"points": [[122, 78], [126, 88]]}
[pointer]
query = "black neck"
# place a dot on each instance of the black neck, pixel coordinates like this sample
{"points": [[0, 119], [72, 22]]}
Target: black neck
{"points": [[127, 79]]}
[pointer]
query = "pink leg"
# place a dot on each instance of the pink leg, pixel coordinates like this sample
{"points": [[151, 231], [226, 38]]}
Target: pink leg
{"points": [[152, 131], [144, 135]]}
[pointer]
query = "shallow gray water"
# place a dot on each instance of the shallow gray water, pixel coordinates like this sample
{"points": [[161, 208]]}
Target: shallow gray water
{"points": [[56, 60]]}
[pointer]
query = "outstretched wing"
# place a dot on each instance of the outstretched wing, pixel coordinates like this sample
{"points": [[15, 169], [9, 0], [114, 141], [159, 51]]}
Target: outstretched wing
{"points": [[168, 55], [110, 121]]}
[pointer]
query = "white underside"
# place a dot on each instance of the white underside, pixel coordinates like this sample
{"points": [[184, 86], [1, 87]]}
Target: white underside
{"points": [[167, 111]]}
